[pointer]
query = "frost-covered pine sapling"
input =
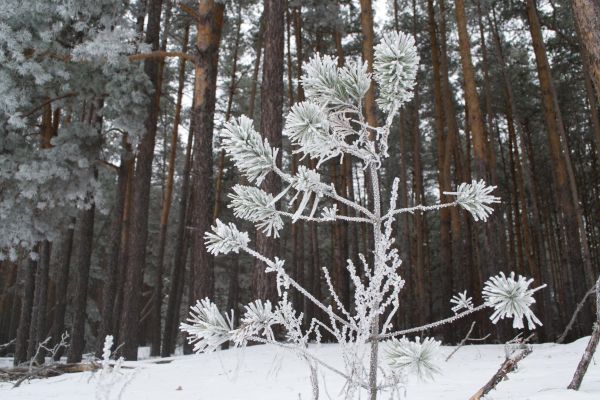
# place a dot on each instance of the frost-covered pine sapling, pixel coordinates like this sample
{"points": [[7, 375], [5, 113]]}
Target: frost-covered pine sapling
{"points": [[330, 124]]}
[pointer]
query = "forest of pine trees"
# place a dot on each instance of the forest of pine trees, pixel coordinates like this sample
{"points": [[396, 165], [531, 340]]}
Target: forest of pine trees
{"points": [[112, 170]]}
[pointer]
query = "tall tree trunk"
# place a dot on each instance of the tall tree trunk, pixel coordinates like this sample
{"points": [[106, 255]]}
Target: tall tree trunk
{"points": [[258, 53], [138, 230], [368, 42], [419, 246], [210, 24], [475, 121], [157, 296], [271, 123], [587, 17], [25, 314], [8, 274], [443, 172], [62, 282], [37, 329], [84, 260], [123, 251], [231, 94], [113, 250], [179, 261], [577, 254]]}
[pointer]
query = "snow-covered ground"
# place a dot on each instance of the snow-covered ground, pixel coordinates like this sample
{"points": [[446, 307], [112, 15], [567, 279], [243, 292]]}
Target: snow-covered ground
{"points": [[267, 373]]}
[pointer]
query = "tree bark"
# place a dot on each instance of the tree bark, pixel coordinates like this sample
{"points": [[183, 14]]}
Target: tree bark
{"points": [[443, 172], [587, 17], [271, 123], [210, 25], [577, 254], [157, 296], [476, 124], [37, 329], [109, 293], [25, 317], [138, 230], [81, 291], [179, 261], [368, 43]]}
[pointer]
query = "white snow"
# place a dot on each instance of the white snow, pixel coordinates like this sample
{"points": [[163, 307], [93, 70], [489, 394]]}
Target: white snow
{"points": [[267, 373]]}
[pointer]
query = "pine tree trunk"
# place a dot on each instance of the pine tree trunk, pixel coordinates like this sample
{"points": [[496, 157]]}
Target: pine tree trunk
{"points": [[180, 257], [157, 296], [263, 285], [84, 260], [8, 271], [62, 282], [231, 94], [258, 53], [27, 294], [587, 17], [138, 230], [210, 25], [443, 173], [109, 293], [476, 124], [577, 254], [37, 329], [368, 42]]}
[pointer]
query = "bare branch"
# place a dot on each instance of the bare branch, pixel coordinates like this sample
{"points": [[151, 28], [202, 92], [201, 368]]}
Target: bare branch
{"points": [[159, 54]]}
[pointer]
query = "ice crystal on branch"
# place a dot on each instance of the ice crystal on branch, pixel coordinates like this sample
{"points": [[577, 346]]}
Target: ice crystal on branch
{"points": [[322, 83], [256, 205], [415, 356], [225, 238], [511, 298], [396, 65], [328, 125], [208, 328], [461, 302], [475, 197], [251, 154]]}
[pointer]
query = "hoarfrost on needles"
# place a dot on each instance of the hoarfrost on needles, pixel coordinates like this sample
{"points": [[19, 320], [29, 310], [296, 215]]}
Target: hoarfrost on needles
{"points": [[331, 124]]}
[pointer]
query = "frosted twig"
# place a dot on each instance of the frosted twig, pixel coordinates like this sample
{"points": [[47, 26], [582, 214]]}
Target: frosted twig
{"points": [[419, 207], [298, 287], [432, 325], [318, 220]]}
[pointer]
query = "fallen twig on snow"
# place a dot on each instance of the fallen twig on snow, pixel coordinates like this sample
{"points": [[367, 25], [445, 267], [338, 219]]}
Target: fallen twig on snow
{"points": [[21, 374], [508, 366]]}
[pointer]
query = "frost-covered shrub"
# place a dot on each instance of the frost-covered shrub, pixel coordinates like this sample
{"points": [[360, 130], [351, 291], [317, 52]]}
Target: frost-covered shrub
{"points": [[329, 125]]}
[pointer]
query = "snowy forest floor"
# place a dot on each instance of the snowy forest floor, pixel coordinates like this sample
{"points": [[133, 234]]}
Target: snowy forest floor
{"points": [[267, 373]]}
